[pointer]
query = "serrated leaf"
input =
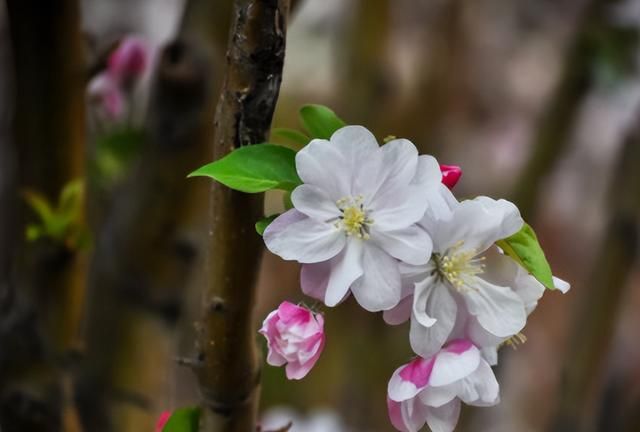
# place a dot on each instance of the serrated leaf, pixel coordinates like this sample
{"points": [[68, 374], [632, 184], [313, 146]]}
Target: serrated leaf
{"points": [[254, 168], [320, 121], [291, 135], [183, 420], [524, 247], [263, 223]]}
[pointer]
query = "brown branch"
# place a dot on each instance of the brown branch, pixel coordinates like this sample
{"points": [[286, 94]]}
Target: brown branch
{"points": [[594, 322], [48, 130], [229, 373]]}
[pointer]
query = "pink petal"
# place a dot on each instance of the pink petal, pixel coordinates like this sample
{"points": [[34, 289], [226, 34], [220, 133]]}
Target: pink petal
{"points": [[395, 415], [418, 371], [129, 61], [292, 314], [450, 175]]}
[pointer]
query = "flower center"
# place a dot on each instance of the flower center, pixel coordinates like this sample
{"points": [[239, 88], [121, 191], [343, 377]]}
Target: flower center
{"points": [[457, 265], [354, 219]]}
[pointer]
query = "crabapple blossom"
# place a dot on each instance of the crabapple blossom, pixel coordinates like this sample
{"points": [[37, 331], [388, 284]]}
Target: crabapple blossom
{"points": [[356, 216], [295, 337], [458, 278], [429, 390]]}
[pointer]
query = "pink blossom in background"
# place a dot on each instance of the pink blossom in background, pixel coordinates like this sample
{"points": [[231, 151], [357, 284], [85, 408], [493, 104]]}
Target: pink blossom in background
{"points": [[129, 60], [450, 175], [429, 390], [162, 420], [295, 337], [105, 92]]}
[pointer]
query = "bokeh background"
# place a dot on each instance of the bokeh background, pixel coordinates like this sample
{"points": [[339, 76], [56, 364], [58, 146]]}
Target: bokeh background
{"points": [[537, 101]]}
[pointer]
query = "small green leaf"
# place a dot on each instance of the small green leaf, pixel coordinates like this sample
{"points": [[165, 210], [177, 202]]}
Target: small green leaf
{"points": [[254, 168], [263, 223], [524, 247], [39, 204], [291, 135], [183, 420], [320, 121]]}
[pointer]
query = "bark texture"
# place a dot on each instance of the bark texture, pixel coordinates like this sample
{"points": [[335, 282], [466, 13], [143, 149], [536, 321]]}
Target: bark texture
{"points": [[227, 365]]}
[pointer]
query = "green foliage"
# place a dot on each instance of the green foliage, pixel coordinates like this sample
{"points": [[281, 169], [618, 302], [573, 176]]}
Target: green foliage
{"points": [[320, 121], [524, 247], [263, 223], [292, 136], [183, 420], [254, 168], [113, 153], [62, 223]]}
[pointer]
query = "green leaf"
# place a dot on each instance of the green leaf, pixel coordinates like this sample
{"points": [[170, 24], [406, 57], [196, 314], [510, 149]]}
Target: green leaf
{"points": [[183, 420], [291, 135], [254, 168], [263, 223], [286, 201], [71, 198], [320, 121], [524, 247], [39, 204]]}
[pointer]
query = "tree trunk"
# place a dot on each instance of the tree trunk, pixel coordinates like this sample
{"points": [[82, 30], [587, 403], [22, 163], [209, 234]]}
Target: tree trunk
{"points": [[227, 366]]}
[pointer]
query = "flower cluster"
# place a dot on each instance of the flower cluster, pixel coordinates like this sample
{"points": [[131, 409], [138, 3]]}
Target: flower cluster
{"points": [[381, 223]]}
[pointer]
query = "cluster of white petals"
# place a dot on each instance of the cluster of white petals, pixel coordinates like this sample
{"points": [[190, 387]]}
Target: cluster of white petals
{"points": [[378, 222]]}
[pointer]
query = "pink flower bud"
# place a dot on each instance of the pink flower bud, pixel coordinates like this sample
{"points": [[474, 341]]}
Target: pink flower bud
{"points": [[450, 175], [129, 61], [162, 420], [295, 337], [104, 91]]}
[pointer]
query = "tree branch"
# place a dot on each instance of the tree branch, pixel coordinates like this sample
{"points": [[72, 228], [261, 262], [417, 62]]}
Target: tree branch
{"points": [[229, 374]]}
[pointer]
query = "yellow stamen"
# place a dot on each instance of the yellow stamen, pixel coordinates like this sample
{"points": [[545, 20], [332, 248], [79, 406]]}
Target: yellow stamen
{"points": [[515, 341], [354, 220], [458, 265]]}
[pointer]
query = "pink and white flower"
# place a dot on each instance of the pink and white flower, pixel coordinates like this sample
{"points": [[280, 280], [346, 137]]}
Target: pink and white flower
{"points": [[356, 217], [429, 390], [106, 93], [295, 337]]}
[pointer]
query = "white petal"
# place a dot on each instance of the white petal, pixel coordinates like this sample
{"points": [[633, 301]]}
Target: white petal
{"points": [[562, 285], [438, 396], [379, 288], [439, 305], [329, 281], [400, 313], [395, 169], [314, 202], [450, 367], [444, 418], [399, 209], [441, 204], [478, 223], [499, 310], [411, 245], [480, 388], [345, 269], [413, 414], [490, 354], [304, 240], [312, 164]]}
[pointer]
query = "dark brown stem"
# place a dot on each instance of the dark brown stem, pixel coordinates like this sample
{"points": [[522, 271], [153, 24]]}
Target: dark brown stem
{"points": [[40, 330], [594, 322], [229, 372]]}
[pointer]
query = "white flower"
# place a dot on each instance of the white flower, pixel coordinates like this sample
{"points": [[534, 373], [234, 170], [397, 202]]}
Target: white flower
{"points": [[356, 216], [429, 390], [455, 283]]}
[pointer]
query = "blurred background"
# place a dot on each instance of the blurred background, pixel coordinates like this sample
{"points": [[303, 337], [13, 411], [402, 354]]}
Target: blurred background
{"points": [[537, 101]]}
